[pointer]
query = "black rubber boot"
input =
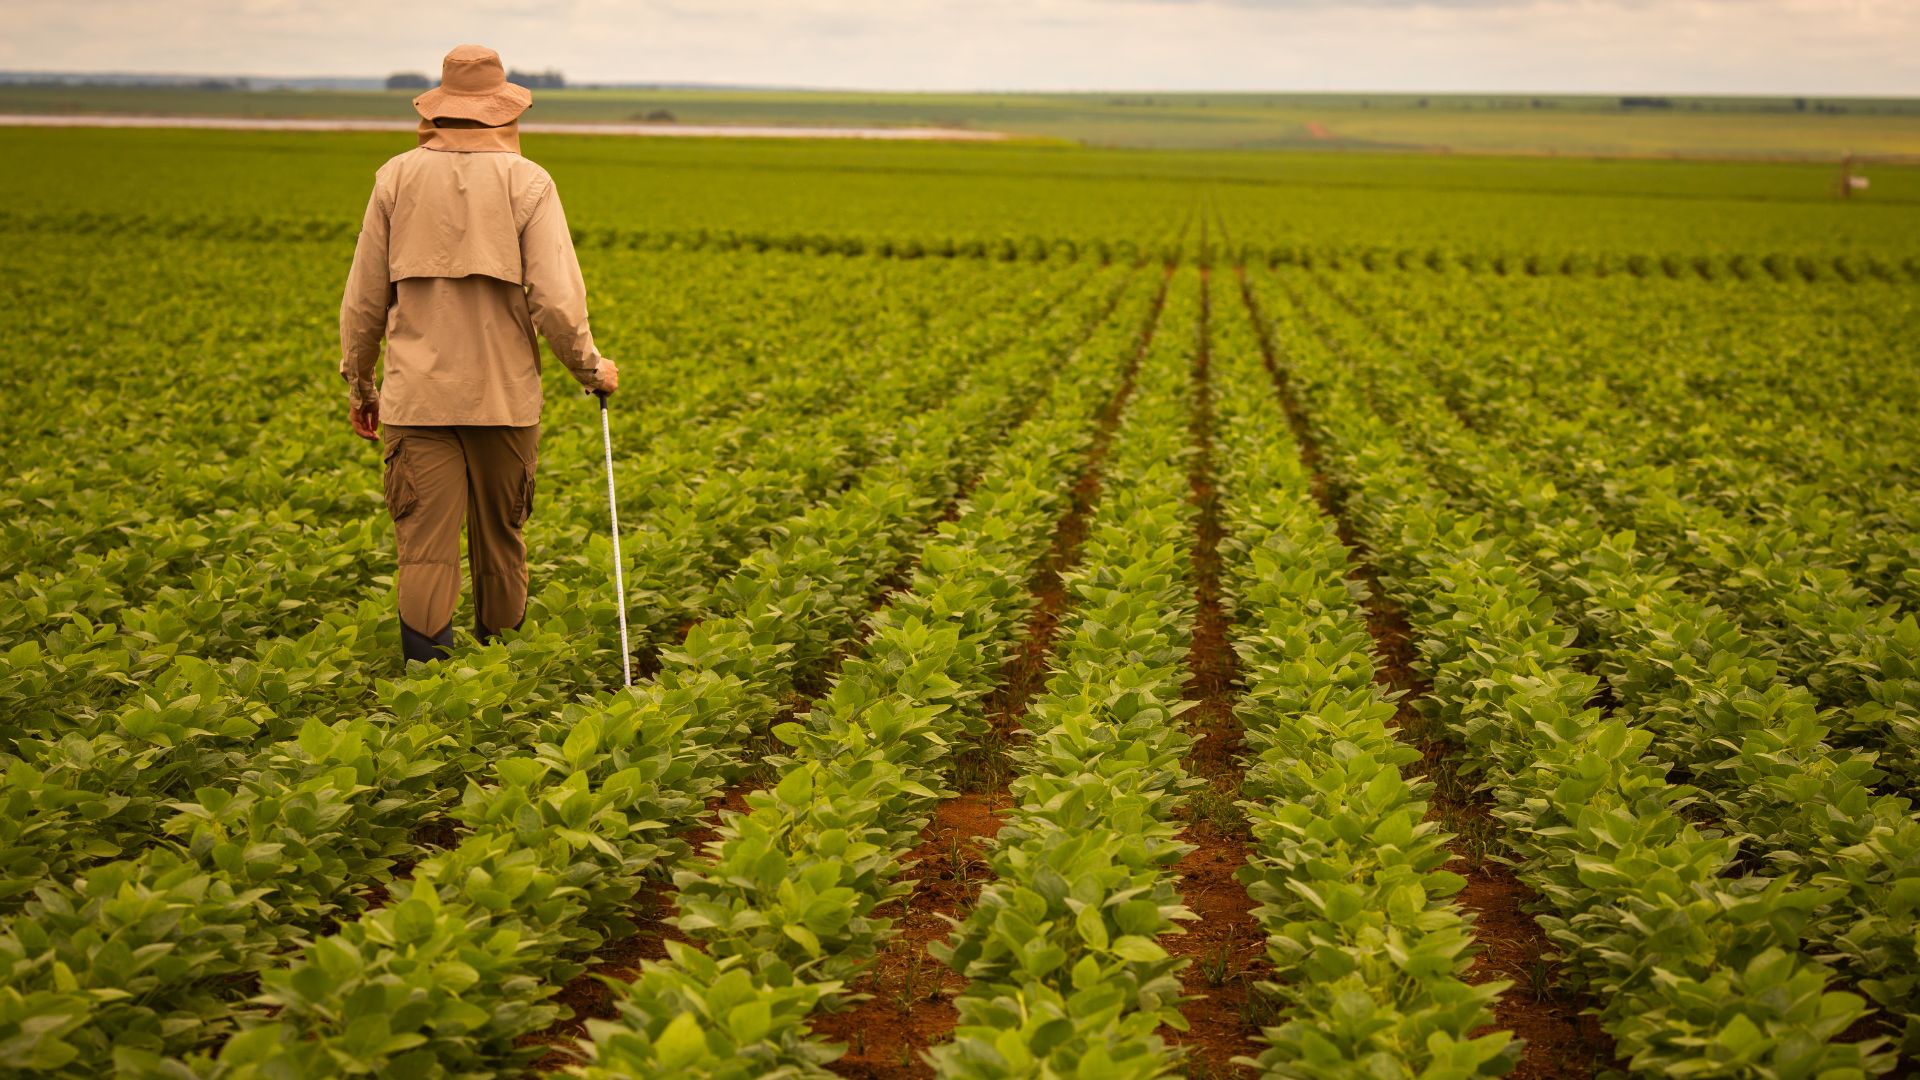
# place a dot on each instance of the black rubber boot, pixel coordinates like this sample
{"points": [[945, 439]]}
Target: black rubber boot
{"points": [[418, 646]]}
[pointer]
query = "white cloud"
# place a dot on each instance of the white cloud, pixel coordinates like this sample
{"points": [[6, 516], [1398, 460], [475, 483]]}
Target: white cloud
{"points": [[1733, 46]]}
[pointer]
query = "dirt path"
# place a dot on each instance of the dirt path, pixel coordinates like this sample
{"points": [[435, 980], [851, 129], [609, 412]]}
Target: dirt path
{"points": [[1226, 944], [701, 131], [911, 1007]]}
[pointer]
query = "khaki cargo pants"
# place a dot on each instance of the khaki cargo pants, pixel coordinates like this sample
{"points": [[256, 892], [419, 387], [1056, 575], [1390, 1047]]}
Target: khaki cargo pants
{"points": [[435, 478]]}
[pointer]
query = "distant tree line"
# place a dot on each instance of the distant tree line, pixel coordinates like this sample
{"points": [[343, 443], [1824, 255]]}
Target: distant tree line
{"points": [[532, 80], [537, 80], [161, 84], [1571, 102]]}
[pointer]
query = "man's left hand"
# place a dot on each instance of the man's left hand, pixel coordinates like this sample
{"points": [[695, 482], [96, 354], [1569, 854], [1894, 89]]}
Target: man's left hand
{"points": [[366, 420]]}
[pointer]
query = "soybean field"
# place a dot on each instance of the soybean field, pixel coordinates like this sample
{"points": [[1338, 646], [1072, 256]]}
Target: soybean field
{"points": [[1095, 614]]}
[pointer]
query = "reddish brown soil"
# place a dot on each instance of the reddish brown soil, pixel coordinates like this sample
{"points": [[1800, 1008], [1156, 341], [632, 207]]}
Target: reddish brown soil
{"points": [[438, 835], [585, 993], [1225, 945], [1227, 951], [955, 833], [910, 1002], [1559, 1040], [588, 996], [1514, 948], [910, 1006], [1027, 671]]}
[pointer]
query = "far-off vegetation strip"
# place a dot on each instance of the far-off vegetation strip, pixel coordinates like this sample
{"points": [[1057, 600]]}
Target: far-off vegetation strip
{"points": [[1629, 125]]}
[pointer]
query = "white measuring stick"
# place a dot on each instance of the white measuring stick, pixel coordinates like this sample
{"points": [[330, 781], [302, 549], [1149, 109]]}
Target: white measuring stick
{"points": [[619, 576]]}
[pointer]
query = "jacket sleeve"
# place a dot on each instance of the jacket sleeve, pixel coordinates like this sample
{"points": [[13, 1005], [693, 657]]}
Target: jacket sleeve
{"points": [[556, 293], [363, 307]]}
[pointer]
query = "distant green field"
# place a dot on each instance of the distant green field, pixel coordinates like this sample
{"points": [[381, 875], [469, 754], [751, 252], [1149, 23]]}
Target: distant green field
{"points": [[934, 195], [1590, 126]]}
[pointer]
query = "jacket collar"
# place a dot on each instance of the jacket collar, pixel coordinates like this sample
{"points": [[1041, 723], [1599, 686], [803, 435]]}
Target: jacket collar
{"points": [[500, 140]]}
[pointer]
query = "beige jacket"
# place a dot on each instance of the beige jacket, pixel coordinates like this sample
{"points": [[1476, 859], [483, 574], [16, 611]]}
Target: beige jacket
{"points": [[464, 253]]}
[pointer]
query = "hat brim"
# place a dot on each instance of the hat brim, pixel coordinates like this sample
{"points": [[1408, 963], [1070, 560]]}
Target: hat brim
{"points": [[493, 108]]}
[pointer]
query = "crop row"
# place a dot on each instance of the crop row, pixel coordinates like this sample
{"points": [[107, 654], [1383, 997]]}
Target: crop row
{"points": [[274, 547], [1694, 957], [1368, 947], [257, 547], [1785, 578], [1717, 411], [1670, 265], [1766, 266], [1065, 975], [584, 799], [827, 577], [789, 900], [100, 777], [1703, 372], [1028, 248], [1804, 791]]}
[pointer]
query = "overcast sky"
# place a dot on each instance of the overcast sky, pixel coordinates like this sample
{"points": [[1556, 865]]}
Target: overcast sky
{"points": [[1706, 46]]}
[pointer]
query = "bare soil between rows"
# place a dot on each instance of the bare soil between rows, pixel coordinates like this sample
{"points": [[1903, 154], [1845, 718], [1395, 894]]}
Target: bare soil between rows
{"points": [[1224, 946], [1560, 1038], [587, 995], [910, 1004]]}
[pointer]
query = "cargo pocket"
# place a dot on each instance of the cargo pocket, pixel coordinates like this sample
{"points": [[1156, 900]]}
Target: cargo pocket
{"points": [[398, 482], [525, 508]]}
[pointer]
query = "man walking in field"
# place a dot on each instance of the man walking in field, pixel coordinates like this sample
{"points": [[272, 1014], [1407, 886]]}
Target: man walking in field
{"points": [[463, 254]]}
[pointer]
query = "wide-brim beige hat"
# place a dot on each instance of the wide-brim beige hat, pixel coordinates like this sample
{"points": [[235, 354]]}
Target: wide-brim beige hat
{"points": [[474, 86]]}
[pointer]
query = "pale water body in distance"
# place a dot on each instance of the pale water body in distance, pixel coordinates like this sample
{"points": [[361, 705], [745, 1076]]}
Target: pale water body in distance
{"points": [[734, 131]]}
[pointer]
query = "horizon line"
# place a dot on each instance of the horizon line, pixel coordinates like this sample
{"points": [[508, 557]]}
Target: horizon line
{"points": [[692, 84]]}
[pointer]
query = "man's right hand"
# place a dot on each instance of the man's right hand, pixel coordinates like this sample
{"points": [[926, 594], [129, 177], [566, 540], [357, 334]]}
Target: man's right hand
{"points": [[609, 377], [365, 420]]}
